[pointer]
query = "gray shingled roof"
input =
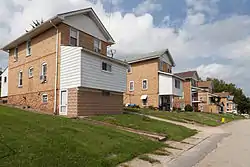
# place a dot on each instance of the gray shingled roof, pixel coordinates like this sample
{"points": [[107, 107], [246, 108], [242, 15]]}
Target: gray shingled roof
{"points": [[146, 56]]}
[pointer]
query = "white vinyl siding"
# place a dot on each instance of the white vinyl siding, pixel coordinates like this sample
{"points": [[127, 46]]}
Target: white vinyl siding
{"points": [[70, 72], [4, 85], [93, 77], [79, 68]]}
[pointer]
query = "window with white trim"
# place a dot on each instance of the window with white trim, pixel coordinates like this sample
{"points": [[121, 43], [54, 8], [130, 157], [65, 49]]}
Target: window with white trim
{"points": [[44, 69], [30, 72], [45, 98], [5, 79], [28, 48], [20, 79], [131, 86], [106, 67], [145, 84], [16, 54], [97, 45], [74, 37]]}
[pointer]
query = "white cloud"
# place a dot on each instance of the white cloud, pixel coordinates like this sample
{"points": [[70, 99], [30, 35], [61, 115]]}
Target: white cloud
{"points": [[222, 39], [147, 6]]}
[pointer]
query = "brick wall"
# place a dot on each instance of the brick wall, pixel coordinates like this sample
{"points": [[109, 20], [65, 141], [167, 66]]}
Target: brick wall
{"points": [[143, 70], [187, 95]]}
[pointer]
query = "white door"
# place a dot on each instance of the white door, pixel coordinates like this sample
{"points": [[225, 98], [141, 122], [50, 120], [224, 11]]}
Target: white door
{"points": [[64, 103]]}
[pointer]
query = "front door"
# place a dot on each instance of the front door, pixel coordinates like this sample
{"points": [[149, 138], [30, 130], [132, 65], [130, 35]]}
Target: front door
{"points": [[63, 103]]}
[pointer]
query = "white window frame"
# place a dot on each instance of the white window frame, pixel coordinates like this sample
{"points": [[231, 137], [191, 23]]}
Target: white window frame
{"points": [[5, 79], [28, 48], [108, 65], [71, 35], [16, 54], [99, 47], [29, 72], [45, 102], [20, 78], [176, 84], [131, 90], [146, 84], [42, 72]]}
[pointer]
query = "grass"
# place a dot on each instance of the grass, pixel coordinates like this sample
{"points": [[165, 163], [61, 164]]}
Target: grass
{"points": [[209, 119], [34, 140], [173, 132], [149, 159]]}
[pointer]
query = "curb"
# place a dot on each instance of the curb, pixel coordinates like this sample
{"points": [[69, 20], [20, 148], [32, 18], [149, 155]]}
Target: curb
{"points": [[197, 153]]}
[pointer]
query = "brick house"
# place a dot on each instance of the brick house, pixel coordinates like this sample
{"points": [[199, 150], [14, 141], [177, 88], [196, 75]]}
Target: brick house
{"points": [[190, 90], [227, 102], [207, 98], [62, 67], [150, 80]]}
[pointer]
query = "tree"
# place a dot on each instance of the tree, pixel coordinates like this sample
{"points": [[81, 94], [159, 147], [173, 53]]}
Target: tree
{"points": [[240, 98], [35, 24]]}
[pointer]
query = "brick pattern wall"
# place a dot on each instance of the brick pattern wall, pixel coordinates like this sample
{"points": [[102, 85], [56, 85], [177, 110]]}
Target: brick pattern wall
{"points": [[34, 100], [72, 102], [140, 71]]}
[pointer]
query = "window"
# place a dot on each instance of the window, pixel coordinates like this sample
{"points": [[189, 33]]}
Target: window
{"points": [[45, 98], [144, 102], [74, 34], [5, 79], [30, 72], [106, 67], [129, 69], [20, 79], [131, 86], [177, 84], [145, 84], [16, 54], [44, 69], [28, 48], [161, 65], [97, 45]]}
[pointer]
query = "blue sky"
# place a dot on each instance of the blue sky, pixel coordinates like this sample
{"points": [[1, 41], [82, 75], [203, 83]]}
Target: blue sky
{"points": [[210, 36]]}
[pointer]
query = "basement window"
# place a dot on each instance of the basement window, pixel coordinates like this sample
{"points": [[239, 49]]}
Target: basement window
{"points": [[45, 98]]}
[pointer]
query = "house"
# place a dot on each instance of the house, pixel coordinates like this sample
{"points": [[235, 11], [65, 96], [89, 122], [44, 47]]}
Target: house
{"points": [[190, 90], [4, 84], [208, 100], [227, 102], [150, 80], [62, 67]]}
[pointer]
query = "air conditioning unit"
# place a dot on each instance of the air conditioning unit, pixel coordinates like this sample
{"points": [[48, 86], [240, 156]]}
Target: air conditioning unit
{"points": [[43, 78]]}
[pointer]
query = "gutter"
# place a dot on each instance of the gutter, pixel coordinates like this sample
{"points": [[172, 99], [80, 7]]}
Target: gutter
{"points": [[56, 72]]}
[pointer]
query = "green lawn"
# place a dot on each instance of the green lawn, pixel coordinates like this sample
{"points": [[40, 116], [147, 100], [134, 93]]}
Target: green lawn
{"points": [[201, 118], [173, 132], [33, 140]]}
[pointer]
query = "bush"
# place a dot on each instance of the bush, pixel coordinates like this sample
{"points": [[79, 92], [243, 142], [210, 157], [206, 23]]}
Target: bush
{"points": [[174, 108], [132, 109], [189, 108]]}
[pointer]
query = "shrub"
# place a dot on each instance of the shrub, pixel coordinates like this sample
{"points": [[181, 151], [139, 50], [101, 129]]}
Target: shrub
{"points": [[132, 109], [174, 108], [189, 108]]}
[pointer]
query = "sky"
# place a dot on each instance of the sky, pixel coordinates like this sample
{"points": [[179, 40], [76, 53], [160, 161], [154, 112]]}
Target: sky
{"points": [[210, 36]]}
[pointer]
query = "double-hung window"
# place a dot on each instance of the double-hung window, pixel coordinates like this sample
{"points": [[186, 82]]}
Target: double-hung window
{"points": [[145, 84], [177, 84], [28, 48], [44, 69], [131, 86], [74, 37], [97, 45], [30, 72]]}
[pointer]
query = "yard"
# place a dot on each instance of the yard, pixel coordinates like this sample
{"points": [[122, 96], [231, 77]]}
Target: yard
{"points": [[208, 119], [29, 140], [173, 132]]}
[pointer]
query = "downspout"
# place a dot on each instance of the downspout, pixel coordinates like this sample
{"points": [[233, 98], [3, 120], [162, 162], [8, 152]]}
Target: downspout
{"points": [[56, 72]]}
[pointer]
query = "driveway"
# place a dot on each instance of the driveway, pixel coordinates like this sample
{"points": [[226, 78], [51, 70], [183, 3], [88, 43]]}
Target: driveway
{"points": [[233, 151]]}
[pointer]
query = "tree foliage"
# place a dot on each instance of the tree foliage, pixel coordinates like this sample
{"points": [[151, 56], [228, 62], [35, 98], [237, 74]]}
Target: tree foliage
{"points": [[35, 24], [240, 98]]}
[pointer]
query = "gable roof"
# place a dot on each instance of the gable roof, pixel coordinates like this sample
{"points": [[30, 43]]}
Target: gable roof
{"points": [[187, 74], [56, 20], [148, 56]]}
